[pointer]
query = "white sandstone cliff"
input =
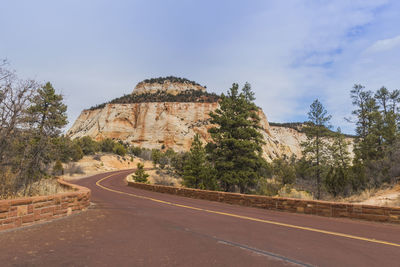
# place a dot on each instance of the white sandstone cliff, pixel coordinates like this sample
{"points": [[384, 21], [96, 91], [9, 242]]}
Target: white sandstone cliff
{"points": [[172, 124]]}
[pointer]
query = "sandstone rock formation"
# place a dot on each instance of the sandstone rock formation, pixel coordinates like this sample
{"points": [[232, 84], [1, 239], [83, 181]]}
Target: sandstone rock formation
{"points": [[167, 86], [171, 124]]}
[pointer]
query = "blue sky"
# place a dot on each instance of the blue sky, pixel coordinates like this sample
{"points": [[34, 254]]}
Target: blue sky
{"points": [[290, 51]]}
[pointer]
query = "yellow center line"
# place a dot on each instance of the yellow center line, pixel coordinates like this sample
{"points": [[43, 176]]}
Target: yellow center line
{"points": [[248, 218]]}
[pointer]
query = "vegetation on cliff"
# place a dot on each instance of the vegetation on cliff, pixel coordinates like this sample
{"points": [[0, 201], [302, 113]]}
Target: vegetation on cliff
{"points": [[161, 96], [171, 79], [299, 126]]}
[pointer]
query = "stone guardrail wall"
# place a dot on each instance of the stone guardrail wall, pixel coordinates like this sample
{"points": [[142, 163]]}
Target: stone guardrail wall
{"points": [[314, 207], [31, 210]]}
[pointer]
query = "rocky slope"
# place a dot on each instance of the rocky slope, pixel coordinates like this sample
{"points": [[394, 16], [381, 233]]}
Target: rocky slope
{"points": [[171, 124]]}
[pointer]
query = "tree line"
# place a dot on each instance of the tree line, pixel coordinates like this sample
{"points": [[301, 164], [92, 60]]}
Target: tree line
{"points": [[186, 96], [171, 79], [232, 161]]}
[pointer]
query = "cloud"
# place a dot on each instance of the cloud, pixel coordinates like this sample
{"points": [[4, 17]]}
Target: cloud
{"points": [[384, 45], [290, 51]]}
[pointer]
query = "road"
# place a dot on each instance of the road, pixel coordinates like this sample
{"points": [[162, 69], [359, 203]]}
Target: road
{"points": [[131, 227]]}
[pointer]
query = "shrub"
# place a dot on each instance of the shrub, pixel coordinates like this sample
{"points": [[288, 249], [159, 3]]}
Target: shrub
{"points": [[88, 145], [163, 180], [284, 171], [72, 168], [267, 187], [58, 168], [140, 175], [135, 151], [76, 152], [107, 145], [119, 149]]}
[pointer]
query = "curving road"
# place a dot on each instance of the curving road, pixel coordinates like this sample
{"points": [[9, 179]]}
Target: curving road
{"points": [[130, 227]]}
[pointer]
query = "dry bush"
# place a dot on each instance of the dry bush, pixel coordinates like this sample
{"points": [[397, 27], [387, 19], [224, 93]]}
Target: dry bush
{"points": [[73, 168], [45, 187], [397, 202], [7, 183], [288, 191], [162, 179], [8, 189], [145, 154], [362, 196], [267, 187]]}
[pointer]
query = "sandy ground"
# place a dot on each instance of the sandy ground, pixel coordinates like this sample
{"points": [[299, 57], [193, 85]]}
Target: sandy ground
{"points": [[389, 197], [157, 177], [100, 163]]}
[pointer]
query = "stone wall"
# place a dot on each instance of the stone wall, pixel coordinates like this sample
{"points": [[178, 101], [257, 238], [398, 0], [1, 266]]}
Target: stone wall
{"points": [[31, 210], [314, 207]]}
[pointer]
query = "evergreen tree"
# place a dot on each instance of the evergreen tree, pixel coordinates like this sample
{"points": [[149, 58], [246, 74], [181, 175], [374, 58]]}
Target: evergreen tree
{"points": [[197, 172], [339, 163], [140, 175], [48, 112], [284, 171], [388, 108], [236, 148], [369, 124], [46, 117], [377, 122], [315, 148]]}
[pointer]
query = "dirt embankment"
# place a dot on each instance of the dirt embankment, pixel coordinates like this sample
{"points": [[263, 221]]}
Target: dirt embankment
{"points": [[99, 163], [380, 197], [94, 164]]}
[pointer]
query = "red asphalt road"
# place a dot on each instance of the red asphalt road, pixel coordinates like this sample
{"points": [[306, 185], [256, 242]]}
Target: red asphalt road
{"points": [[123, 230]]}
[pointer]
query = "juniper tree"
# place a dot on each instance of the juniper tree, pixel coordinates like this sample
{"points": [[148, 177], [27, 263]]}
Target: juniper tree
{"points": [[197, 171], [315, 148], [236, 147]]}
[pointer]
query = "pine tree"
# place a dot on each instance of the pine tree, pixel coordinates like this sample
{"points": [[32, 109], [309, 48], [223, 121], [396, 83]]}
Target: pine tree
{"points": [[369, 125], [388, 108], [45, 117], [339, 163], [197, 172], [48, 112], [236, 148], [140, 175], [315, 148]]}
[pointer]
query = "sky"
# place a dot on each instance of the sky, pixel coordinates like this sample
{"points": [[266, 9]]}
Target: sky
{"points": [[291, 52]]}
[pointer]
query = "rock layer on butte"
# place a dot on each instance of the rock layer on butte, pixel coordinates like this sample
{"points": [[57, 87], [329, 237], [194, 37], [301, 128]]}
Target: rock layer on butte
{"points": [[170, 124]]}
